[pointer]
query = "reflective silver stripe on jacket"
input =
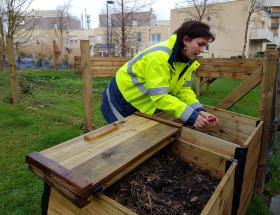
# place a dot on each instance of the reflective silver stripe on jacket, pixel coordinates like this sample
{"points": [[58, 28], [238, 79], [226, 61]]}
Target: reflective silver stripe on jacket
{"points": [[158, 91], [151, 92], [187, 113], [114, 110], [196, 105], [188, 84]]}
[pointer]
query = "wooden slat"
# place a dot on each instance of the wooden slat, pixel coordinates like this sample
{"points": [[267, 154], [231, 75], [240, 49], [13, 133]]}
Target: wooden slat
{"points": [[240, 122], [100, 204], [107, 63], [244, 88], [226, 61], [226, 75], [220, 202], [253, 144], [203, 158], [212, 143], [77, 150], [265, 113]]}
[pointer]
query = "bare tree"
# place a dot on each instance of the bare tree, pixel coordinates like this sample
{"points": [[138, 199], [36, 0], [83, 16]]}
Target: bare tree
{"points": [[203, 9], [2, 41], [62, 22], [122, 19], [14, 12], [254, 7]]}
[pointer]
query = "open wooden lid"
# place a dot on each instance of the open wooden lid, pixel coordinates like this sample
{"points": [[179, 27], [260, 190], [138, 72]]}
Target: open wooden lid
{"points": [[90, 163]]}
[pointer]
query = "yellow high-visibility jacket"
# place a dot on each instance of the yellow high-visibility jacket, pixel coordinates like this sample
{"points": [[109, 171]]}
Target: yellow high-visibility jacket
{"points": [[154, 80]]}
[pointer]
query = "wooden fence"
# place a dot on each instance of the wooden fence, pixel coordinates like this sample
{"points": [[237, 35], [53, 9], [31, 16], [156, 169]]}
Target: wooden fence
{"points": [[101, 66]]}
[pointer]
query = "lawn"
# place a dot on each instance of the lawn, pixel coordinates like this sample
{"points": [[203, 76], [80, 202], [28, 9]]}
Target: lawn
{"points": [[51, 112]]}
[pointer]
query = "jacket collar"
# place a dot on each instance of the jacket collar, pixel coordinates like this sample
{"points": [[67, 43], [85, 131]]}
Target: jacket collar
{"points": [[176, 55]]}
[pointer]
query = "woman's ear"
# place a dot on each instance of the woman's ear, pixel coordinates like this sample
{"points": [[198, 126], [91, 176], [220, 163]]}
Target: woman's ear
{"points": [[186, 40]]}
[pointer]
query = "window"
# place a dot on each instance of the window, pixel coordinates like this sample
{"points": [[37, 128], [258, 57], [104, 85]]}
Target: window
{"points": [[134, 22], [155, 38], [138, 37], [99, 38]]}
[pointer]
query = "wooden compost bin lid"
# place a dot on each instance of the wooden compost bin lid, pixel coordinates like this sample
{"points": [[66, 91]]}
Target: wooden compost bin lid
{"points": [[81, 167]]}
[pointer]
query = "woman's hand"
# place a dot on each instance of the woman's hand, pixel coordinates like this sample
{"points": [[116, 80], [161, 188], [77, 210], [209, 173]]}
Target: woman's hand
{"points": [[211, 118], [201, 122]]}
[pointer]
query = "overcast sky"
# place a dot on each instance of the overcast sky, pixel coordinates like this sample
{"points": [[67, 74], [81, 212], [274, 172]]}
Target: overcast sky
{"points": [[94, 7]]}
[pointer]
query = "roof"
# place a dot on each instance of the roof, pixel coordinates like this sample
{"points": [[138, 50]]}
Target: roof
{"points": [[272, 3], [50, 14]]}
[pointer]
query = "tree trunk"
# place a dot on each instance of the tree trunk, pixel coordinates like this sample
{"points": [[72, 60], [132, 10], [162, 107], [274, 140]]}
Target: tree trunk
{"points": [[12, 70], [2, 52], [246, 34], [123, 45]]}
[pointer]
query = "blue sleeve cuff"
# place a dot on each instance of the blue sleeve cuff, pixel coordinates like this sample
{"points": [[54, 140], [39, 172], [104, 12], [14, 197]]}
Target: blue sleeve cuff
{"points": [[200, 109], [191, 120]]}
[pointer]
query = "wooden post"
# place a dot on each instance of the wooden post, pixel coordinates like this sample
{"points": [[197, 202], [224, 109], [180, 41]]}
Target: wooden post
{"points": [[198, 85], [12, 70], [87, 77], [56, 53], [265, 114]]}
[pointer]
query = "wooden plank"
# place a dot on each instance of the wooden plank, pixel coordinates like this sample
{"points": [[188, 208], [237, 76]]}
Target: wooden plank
{"points": [[226, 134], [95, 63], [96, 135], [253, 144], [103, 166], [87, 83], [110, 59], [208, 142], [162, 120], [100, 204], [76, 151], [201, 157], [105, 68], [236, 121], [226, 61], [234, 76], [245, 87], [220, 202]]}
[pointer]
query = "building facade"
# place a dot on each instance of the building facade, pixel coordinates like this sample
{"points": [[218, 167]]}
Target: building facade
{"points": [[228, 22]]}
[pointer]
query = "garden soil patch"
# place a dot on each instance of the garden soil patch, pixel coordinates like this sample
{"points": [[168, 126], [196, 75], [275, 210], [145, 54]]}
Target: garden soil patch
{"points": [[164, 184]]}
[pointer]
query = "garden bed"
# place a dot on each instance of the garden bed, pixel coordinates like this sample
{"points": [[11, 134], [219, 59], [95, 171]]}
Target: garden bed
{"points": [[164, 184]]}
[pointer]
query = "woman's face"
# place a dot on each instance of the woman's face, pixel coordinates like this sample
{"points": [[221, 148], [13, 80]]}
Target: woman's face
{"points": [[194, 46]]}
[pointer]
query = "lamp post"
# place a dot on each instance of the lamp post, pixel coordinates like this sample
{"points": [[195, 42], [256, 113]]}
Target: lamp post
{"points": [[108, 47]]}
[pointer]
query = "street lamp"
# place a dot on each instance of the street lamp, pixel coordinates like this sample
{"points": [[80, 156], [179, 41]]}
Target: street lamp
{"points": [[108, 47]]}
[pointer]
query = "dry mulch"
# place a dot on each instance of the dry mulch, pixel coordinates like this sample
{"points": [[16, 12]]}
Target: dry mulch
{"points": [[164, 184]]}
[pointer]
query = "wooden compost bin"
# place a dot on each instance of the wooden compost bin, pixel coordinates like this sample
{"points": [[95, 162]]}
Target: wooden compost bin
{"points": [[236, 136], [77, 171]]}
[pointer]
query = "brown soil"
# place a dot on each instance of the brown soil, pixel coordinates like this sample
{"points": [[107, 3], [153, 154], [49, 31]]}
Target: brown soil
{"points": [[164, 184]]}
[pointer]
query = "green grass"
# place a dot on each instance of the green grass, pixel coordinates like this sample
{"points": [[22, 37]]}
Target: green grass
{"points": [[50, 112]]}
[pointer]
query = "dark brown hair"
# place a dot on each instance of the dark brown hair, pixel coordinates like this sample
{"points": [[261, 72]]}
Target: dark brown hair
{"points": [[193, 29]]}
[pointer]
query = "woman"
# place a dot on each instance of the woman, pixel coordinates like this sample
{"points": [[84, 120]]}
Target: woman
{"points": [[159, 78]]}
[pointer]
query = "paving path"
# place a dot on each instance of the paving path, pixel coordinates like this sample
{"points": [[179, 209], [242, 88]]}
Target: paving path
{"points": [[275, 205]]}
